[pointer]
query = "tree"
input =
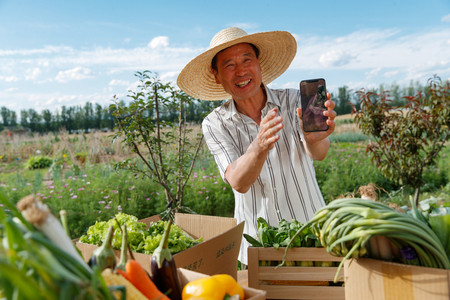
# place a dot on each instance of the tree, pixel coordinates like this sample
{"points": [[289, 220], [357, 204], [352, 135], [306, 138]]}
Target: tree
{"points": [[406, 139], [343, 102], [165, 148], [24, 118], [34, 120], [47, 116], [5, 113], [98, 116]]}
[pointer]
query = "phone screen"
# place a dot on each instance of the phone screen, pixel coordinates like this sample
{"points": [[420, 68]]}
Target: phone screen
{"points": [[313, 94]]}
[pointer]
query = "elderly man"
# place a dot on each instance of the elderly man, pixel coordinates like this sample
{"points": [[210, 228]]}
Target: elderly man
{"points": [[256, 137]]}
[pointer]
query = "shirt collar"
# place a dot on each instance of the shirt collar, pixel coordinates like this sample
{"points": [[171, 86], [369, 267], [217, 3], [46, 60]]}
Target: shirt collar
{"points": [[228, 110]]}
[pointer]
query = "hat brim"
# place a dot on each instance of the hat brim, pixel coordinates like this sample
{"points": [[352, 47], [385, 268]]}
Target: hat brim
{"points": [[277, 50]]}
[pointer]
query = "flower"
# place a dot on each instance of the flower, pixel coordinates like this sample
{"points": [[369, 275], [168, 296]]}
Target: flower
{"points": [[74, 197]]}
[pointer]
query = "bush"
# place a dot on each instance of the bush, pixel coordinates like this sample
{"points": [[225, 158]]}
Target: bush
{"points": [[39, 162], [345, 169]]}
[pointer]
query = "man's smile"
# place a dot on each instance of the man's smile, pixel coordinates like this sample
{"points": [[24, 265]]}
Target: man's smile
{"points": [[243, 83]]}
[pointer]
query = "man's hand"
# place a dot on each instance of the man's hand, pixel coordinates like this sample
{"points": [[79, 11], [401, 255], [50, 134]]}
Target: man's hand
{"points": [[312, 137], [244, 171], [270, 125]]}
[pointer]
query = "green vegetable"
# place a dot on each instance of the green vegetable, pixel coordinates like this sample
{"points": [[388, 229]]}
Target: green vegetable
{"points": [[281, 236], [345, 226], [34, 267], [123, 250], [141, 239], [439, 221], [104, 256]]}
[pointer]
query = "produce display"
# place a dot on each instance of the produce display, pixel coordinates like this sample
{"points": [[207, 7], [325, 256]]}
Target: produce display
{"points": [[349, 228], [33, 266], [283, 236], [141, 238], [38, 260]]}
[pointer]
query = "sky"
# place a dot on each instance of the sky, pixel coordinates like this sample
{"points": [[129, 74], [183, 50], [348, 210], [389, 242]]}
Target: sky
{"points": [[55, 53]]}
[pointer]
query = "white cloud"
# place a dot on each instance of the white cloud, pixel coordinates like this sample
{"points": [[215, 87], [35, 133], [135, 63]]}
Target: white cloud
{"points": [[336, 58], [32, 74], [77, 73], [446, 19], [40, 51], [11, 90], [373, 73], [117, 82], [9, 78], [159, 42]]}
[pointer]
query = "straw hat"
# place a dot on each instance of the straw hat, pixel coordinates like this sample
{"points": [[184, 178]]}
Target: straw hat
{"points": [[277, 50]]}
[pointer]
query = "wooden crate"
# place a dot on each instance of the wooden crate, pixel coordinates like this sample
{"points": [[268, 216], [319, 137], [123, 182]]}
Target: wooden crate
{"points": [[294, 282]]}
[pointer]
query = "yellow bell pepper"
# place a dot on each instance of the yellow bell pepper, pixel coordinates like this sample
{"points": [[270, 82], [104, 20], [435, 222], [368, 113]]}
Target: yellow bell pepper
{"points": [[214, 287]]}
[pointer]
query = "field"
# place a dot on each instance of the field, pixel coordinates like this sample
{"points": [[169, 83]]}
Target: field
{"points": [[82, 179]]}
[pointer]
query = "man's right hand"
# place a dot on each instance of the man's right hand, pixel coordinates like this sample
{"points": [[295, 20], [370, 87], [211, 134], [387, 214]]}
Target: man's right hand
{"points": [[270, 125], [244, 171]]}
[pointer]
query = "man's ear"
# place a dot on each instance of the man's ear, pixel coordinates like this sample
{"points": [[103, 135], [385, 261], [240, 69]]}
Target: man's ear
{"points": [[214, 72]]}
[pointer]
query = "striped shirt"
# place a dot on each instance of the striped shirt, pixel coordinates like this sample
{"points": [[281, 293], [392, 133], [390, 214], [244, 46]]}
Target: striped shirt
{"points": [[286, 187]]}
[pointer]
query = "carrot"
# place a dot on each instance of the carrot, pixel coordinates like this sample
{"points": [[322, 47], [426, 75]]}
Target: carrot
{"points": [[122, 272], [140, 279]]}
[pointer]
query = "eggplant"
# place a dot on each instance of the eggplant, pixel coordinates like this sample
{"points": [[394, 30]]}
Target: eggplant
{"points": [[104, 256], [163, 268]]}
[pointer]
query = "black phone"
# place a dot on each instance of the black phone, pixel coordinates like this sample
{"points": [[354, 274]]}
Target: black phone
{"points": [[313, 94]]}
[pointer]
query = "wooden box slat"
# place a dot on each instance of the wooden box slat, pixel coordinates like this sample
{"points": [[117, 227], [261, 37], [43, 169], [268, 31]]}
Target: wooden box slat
{"points": [[294, 282]]}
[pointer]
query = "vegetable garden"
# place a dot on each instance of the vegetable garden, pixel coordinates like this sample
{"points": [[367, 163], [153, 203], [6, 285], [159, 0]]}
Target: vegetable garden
{"points": [[398, 157]]}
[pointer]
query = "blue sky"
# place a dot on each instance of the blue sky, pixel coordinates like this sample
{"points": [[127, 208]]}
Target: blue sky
{"points": [[55, 53]]}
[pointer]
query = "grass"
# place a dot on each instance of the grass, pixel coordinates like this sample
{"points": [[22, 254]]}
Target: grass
{"points": [[90, 189]]}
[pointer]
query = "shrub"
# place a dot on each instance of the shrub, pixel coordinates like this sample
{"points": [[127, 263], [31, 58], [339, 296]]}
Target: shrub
{"points": [[39, 162]]}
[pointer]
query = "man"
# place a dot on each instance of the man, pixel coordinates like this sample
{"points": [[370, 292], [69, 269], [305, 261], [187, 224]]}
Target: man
{"points": [[256, 137]]}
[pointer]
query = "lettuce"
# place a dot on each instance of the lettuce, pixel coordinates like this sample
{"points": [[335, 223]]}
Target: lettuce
{"points": [[141, 239]]}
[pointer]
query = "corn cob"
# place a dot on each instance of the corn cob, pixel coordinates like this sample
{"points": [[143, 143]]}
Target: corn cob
{"points": [[113, 279]]}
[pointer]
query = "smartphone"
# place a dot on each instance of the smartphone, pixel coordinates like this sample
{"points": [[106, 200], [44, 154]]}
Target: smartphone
{"points": [[313, 94]]}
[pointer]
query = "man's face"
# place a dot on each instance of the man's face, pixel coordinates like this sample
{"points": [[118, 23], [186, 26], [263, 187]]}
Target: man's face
{"points": [[239, 72]]}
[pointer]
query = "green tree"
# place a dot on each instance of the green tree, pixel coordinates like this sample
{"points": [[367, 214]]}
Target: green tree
{"points": [[24, 118], [6, 114], [98, 116], [406, 139], [165, 148], [343, 101], [34, 120], [48, 118]]}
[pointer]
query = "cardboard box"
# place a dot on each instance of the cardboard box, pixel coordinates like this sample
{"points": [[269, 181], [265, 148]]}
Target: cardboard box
{"points": [[376, 279], [294, 282], [218, 253], [186, 276]]}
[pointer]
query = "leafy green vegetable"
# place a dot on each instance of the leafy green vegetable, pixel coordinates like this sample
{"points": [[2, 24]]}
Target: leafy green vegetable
{"points": [[439, 220], [272, 236], [141, 239]]}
